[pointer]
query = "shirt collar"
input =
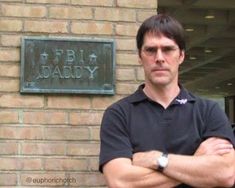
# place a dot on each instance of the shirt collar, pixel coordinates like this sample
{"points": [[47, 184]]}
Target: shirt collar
{"points": [[183, 97], [139, 95]]}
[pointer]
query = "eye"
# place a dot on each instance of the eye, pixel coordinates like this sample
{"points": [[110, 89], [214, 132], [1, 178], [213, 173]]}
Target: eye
{"points": [[168, 49], [150, 50]]}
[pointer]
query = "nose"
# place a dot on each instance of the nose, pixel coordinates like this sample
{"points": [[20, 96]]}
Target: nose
{"points": [[159, 57]]}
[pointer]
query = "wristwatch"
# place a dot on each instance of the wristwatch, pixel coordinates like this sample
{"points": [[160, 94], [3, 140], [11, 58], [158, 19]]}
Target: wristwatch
{"points": [[162, 162]]}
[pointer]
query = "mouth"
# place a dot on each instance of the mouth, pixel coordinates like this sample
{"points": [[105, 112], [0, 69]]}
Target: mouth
{"points": [[159, 70]]}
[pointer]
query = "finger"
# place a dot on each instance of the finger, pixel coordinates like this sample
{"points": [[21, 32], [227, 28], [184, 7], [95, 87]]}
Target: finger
{"points": [[217, 141], [223, 151], [220, 149], [223, 146]]}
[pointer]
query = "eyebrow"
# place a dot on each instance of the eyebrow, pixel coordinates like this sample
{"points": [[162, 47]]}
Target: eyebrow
{"points": [[163, 46]]}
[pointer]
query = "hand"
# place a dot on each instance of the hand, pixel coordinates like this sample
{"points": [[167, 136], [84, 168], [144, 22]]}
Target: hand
{"points": [[146, 159], [214, 146]]}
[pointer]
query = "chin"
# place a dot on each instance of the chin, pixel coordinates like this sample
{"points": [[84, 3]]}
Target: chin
{"points": [[159, 81]]}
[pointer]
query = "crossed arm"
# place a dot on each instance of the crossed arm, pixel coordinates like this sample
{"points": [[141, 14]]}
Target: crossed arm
{"points": [[212, 165]]}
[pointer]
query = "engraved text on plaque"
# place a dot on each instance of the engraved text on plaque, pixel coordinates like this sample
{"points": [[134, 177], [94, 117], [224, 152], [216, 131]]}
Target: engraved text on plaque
{"points": [[65, 65]]}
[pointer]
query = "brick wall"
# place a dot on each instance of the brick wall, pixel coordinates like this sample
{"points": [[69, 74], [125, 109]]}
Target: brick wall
{"points": [[53, 140]]}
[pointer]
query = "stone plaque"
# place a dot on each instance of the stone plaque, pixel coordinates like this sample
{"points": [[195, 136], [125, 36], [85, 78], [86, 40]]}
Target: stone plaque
{"points": [[67, 65]]}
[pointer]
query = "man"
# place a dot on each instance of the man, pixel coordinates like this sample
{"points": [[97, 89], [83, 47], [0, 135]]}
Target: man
{"points": [[162, 135]]}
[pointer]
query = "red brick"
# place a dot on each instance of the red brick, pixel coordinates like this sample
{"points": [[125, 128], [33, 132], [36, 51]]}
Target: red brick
{"points": [[45, 117], [92, 28], [69, 102], [126, 74], [88, 180], [11, 132], [10, 40], [9, 164], [83, 149], [103, 102], [115, 14], [10, 25], [126, 44], [9, 117], [126, 88], [9, 70], [23, 11], [70, 133], [11, 0], [9, 85], [46, 148], [142, 15], [8, 148], [7, 132], [35, 133], [49, 1], [93, 2], [85, 118], [70, 12], [46, 26], [137, 3], [126, 29], [66, 164], [140, 74], [93, 164], [8, 179], [127, 59], [9, 55], [31, 164], [95, 133], [20, 101]]}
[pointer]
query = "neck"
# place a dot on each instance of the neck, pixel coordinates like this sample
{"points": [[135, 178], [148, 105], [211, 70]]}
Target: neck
{"points": [[162, 94]]}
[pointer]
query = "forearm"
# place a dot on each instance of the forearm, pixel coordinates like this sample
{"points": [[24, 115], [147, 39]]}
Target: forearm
{"points": [[202, 171], [124, 174], [213, 164], [138, 177]]}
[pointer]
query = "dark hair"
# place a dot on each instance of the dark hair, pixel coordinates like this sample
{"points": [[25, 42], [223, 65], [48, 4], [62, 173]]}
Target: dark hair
{"points": [[161, 24]]}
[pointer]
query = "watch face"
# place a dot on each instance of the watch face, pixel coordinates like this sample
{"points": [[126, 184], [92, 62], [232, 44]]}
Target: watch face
{"points": [[163, 161]]}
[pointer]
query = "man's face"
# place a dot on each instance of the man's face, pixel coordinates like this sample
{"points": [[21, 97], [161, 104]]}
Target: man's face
{"points": [[160, 58]]}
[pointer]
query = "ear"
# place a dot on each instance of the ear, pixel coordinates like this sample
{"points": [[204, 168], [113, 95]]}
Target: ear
{"points": [[140, 59], [182, 56]]}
